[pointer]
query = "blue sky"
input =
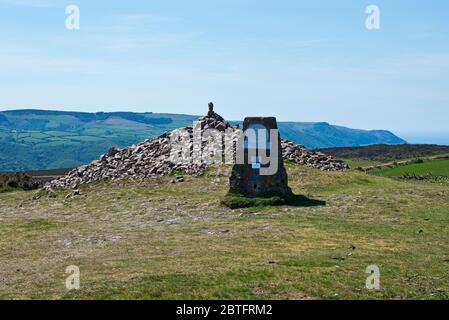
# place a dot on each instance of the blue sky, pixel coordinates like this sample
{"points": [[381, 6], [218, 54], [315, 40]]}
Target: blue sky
{"points": [[297, 60]]}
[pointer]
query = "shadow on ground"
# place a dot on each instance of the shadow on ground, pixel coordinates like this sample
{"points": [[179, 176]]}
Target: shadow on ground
{"points": [[236, 201], [303, 201]]}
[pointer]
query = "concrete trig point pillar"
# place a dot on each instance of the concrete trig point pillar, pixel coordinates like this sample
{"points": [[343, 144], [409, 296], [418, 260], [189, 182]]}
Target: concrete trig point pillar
{"points": [[261, 149]]}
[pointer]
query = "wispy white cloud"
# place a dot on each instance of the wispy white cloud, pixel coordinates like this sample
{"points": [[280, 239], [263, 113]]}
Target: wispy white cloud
{"points": [[131, 32], [170, 57]]}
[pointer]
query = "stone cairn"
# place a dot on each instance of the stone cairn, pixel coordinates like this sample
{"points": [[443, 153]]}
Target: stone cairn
{"points": [[299, 154], [152, 158]]}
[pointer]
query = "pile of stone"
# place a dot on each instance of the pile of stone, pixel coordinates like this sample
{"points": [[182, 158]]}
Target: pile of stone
{"points": [[153, 158], [300, 154], [148, 159], [213, 121]]}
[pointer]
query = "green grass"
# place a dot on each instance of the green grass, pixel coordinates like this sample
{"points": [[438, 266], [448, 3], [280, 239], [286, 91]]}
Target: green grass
{"points": [[158, 240], [236, 201], [438, 167], [361, 163]]}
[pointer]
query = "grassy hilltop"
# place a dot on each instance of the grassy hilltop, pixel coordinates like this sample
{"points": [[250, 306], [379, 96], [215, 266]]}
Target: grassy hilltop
{"points": [[159, 240]]}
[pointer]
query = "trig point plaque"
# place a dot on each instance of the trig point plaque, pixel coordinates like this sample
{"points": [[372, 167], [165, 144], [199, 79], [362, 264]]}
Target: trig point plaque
{"points": [[259, 170]]}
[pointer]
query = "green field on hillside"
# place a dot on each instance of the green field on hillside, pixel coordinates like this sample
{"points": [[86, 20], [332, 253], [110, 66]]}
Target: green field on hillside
{"points": [[437, 168], [158, 240]]}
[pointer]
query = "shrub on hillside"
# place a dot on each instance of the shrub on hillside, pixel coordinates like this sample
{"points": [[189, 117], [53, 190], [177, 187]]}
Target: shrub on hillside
{"points": [[11, 181]]}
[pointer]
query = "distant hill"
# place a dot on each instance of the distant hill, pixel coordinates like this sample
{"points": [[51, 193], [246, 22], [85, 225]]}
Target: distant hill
{"points": [[383, 153], [324, 135], [38, 139]]}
